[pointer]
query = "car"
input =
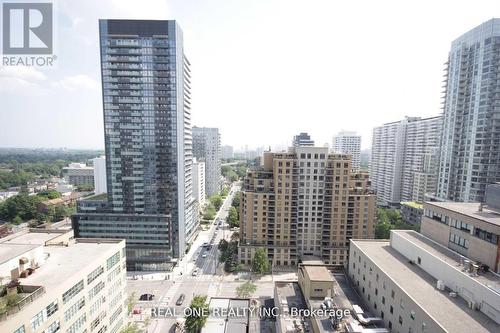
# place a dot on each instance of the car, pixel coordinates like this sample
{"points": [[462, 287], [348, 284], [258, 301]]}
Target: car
{"points": [[146, 297], [204, 255], [180, 300], [205, 244], [195, 272]]}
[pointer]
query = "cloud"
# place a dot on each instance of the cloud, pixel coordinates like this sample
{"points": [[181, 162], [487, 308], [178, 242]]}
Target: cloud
{"points": [[76, 83], [21, 80]]}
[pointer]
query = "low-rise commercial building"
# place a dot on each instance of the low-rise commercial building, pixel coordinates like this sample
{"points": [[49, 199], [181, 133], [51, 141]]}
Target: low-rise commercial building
{"points": [[417, 285], [62, 284], [78, 174], [411, 212], [471, 229]]}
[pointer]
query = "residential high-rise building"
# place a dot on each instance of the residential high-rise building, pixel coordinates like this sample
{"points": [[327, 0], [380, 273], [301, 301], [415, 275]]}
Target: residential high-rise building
{"points": [[147, 132], [302, 140], [227, 152], [78, 174], [63, 284], [403, 163], [206, 148], [470, 155], [100, 184], [348, 143], [199, 182], [304, 202]]}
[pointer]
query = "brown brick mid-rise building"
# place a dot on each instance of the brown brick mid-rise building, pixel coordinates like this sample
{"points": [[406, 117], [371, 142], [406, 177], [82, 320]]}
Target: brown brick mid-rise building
{"points": [[304, 203]]}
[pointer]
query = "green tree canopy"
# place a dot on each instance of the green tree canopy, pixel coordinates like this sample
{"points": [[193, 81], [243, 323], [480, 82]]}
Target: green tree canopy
{"points": [[198, 315], [260, 263], [246, 290], [216, 201]]}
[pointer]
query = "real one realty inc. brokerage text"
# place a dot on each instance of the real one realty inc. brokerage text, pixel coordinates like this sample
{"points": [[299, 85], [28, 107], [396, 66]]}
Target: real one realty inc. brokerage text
{"points": [[159, 312]]}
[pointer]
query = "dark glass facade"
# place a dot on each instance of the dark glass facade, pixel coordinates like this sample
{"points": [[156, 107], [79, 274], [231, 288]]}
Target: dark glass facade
{"points": [[147, 131]]}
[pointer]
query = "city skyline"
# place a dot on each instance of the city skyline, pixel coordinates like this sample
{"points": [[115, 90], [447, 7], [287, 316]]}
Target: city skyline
{"points": [[76, 82]]}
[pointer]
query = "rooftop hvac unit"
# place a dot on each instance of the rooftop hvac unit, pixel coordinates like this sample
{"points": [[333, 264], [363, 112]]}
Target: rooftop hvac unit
{"points": [[466, 265], [440, 285]]}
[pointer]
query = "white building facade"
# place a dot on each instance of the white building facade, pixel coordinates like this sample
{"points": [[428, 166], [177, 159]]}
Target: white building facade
{"points": [[206, 148], [199, 182], [100, 175], [404, 159], [348, 143]]}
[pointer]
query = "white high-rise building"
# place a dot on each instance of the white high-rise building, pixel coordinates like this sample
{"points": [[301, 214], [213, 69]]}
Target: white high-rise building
{"points": [[100, 175], [469, 156], [348, 143], [199, 182], [404, 159], [206, 147]]}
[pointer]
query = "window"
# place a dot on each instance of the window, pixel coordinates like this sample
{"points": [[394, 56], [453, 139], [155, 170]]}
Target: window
{"points": [[77, 324], [51, 308], [72, 291], [412, 315], [113, 260], [95, 274], [54, 327], [419, 260], [392, 293], [383, 300], [400, 320], [38, 319], [71, 311], [391, 310], [20, 330]]}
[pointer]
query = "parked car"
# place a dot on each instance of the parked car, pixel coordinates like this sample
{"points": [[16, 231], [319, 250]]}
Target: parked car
{"points": [[180, 300], [204, 255], [195, 272], [146, 297]]}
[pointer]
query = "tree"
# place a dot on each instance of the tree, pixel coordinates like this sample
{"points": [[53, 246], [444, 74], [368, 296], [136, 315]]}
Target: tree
{"points": [[60, 212], [260, 263], [209, 212], [224, 192], [17, 220], [236, 200], [197, 316], [131, 328], [235, 237], [49, 194], [131, 303], [223, 245], [233, 218], [216, 201], [246, 290], [22, 205], [383, 230]]}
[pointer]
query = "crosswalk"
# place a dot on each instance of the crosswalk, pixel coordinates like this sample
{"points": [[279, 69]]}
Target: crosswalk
{"points": [[168, 296], [212, 290], [204, 277]]}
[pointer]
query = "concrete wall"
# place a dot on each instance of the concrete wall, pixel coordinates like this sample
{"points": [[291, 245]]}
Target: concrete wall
{"points": [[373, 284]]}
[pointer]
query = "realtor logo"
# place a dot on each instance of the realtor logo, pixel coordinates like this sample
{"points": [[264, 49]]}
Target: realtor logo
{"points": [[27, 28]]}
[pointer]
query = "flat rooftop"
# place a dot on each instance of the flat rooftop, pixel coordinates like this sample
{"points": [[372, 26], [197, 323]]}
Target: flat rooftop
{"points": [[453, 314], [470, 209], [25, 237], [290, 296], [64, 262], [318, 273], [489, 279], [9, 251]]}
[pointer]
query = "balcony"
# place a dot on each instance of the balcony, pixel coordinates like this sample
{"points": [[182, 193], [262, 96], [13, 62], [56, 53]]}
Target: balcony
{"points": [[15, 297]]}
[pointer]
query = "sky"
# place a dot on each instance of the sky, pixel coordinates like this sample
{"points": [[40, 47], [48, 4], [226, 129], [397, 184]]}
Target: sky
{"points": [[262, 70]]}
